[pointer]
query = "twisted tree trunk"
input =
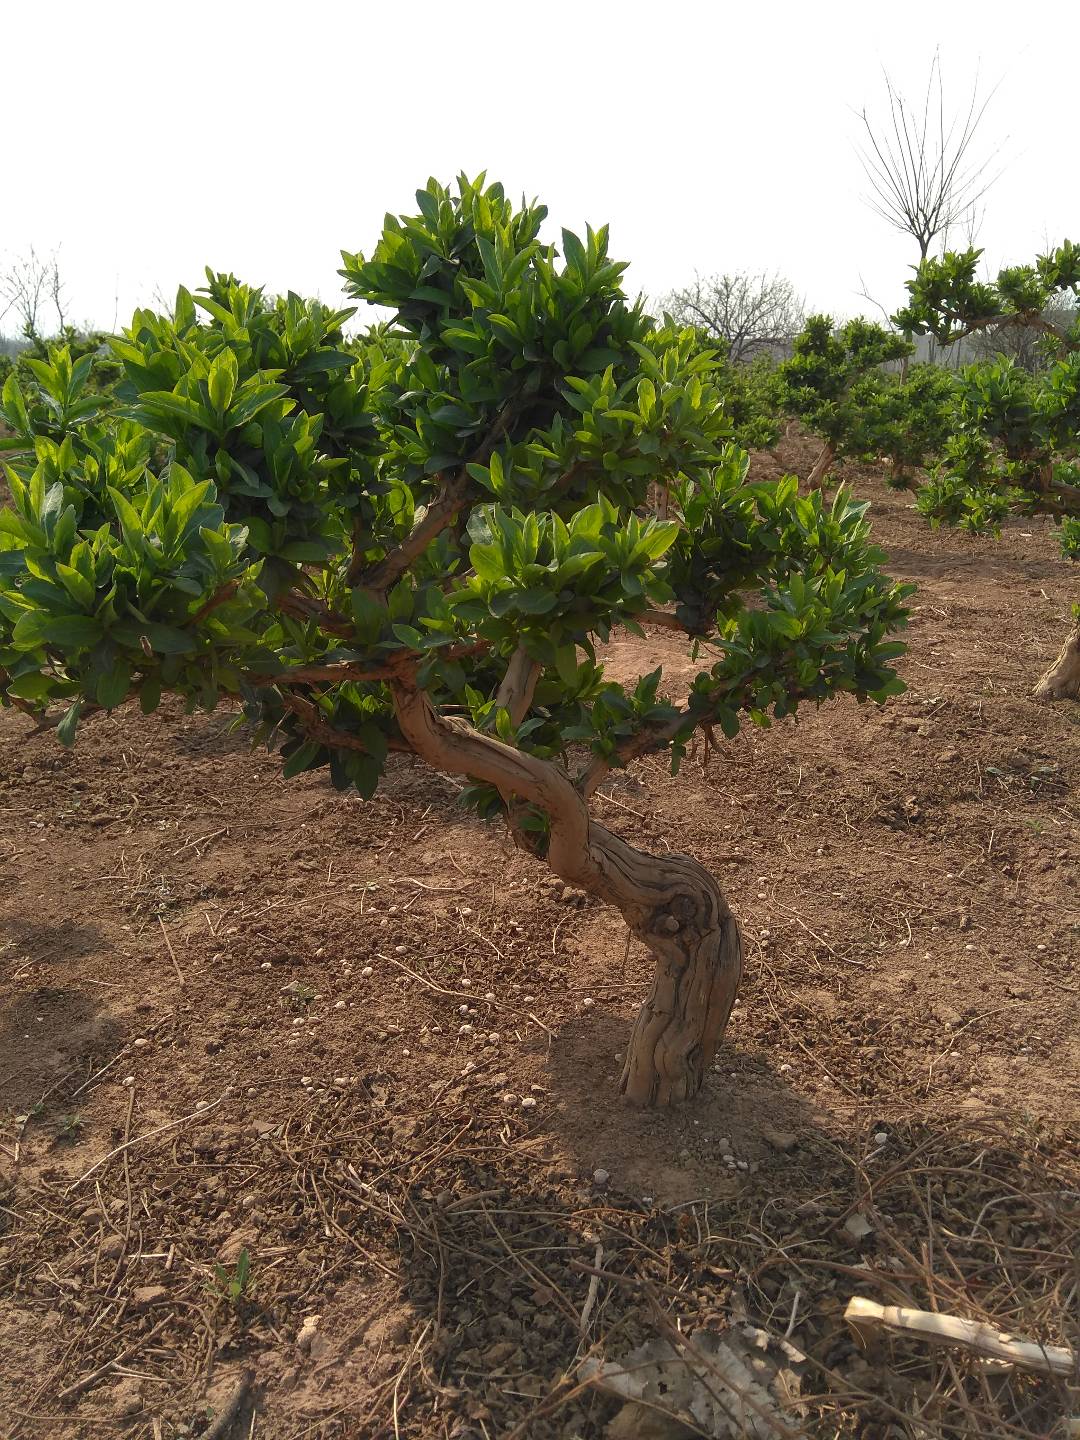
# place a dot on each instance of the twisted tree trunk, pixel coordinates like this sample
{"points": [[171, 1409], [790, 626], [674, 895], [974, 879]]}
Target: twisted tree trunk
{"points": [[816, 479], [671, 903], [900, 478], [675, 908], [1062, 680]]}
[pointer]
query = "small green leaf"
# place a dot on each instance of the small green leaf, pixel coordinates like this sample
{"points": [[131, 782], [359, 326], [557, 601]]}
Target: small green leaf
{"points": [[65, 731]]}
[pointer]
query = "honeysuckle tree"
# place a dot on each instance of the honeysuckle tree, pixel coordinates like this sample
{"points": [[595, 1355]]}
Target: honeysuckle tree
{"points": [[831, 383], [414, 543], [1016, 444]]}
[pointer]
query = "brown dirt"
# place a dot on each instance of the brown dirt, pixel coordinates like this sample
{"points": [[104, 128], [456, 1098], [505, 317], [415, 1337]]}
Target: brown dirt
{"points": [[187, 939]]}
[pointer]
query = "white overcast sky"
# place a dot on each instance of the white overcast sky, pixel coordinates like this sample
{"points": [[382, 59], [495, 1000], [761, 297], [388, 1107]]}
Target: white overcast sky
{"points": [[145, 140]]}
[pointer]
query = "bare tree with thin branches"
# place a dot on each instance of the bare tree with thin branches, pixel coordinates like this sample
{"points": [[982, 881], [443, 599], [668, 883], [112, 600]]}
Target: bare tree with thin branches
{"points": [[748, 313], [28, 286], [925, 173]]}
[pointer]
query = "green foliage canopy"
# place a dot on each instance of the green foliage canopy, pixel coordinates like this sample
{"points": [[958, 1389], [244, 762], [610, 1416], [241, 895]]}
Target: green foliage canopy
{"points": [[1016, 439], [273, 512]]}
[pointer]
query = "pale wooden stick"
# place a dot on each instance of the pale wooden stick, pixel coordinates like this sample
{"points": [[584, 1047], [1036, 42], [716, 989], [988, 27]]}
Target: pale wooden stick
{"points": [[172, 952], [867, 1319]]}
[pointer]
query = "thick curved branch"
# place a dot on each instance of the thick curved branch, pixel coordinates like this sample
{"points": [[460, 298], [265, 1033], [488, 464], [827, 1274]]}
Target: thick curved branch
{"points": [[663, 618], [442, 512], [220, 597], [518, 687], [302, 607], [451, 499], [1024, 319], [670, 902], [643, 743], [453, 745], [337, 672], [316, 728]]}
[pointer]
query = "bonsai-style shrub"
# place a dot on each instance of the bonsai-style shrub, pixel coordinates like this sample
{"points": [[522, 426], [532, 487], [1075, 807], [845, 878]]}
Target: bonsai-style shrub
{"points": [[1016, 445], [750, 394], [413, 544], [909, 420], [831, 384]]}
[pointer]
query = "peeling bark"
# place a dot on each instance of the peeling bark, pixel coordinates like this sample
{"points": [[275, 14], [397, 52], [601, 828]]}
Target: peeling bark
{"points": [[671, 902], [1062, 680], [816, 479]]}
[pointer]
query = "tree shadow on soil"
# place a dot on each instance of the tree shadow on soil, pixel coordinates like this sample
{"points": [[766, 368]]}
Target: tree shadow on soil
{"points": [[52, 943], [518, 1262], [45, 1032], [501, 1257]]}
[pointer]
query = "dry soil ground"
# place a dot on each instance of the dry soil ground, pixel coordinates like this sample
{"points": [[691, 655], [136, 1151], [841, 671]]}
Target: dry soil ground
{"points": [[375, 1049]]}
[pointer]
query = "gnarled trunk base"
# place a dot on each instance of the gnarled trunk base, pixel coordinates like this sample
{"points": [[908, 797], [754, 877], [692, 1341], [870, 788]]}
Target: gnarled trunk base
{"points": [[675, 908], [698, 950], [670, 902], [1062, 680]]}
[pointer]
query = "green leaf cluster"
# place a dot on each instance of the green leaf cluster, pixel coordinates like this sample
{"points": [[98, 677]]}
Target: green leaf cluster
{"points": [[268, 508]]}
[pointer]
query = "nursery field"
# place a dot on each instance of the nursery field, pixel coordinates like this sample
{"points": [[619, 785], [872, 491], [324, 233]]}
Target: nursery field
{"points": [[308, 1107]]}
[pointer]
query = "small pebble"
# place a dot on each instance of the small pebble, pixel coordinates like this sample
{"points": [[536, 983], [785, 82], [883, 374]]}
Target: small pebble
{"points": [[466, 982], [247, 1202], [494, 1038], [490, 997], [340, 1082], [529, 1000], [399, 949], [266, 965], [466, 1029], [202, 1104], [128, 1080], [406, 1053], [306, 1080], [465, 912], [366, 973], [339, 1004], [587, 1003], [509, 1098], [785, 1069], [600, 1178], [528, 1102], [741, 1165], [463, 1009], [881, 1137], [141, 1043]]}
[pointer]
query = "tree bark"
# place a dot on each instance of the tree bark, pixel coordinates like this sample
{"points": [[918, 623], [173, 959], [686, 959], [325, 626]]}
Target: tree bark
{"points": [[1062, 680], [816, 479], [671, 903], [900, 478], [675, 908]]}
